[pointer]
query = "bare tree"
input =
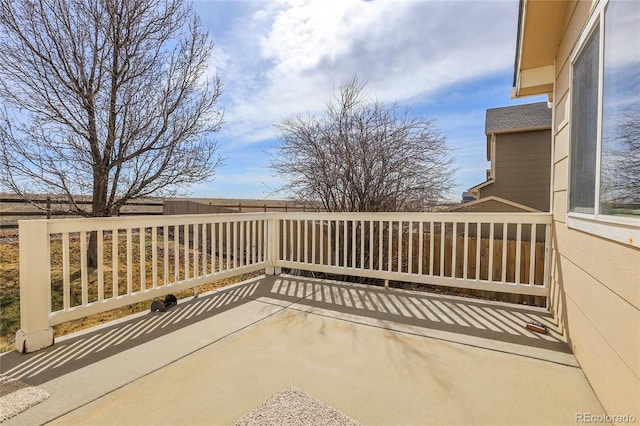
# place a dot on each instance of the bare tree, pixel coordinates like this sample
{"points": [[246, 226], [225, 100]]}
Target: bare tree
{"points": [[105, 99], [361, 155], [620, 180]]}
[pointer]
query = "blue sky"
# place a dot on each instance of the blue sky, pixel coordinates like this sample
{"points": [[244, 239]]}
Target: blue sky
{"points": [[448, 60]]}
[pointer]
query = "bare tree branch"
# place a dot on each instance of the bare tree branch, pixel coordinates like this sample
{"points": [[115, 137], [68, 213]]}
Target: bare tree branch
{"points": [[361, 155], [620, 179], [106, 99]]}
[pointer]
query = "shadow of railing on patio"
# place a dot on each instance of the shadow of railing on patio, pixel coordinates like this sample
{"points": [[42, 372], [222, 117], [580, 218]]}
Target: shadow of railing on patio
{"points": [[459, 315], [354, 302], [87, 348]]}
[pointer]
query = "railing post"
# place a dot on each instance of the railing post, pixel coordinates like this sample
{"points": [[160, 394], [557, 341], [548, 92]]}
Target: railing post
{"points": [[35, 288], [547, 256], [273, 232]]}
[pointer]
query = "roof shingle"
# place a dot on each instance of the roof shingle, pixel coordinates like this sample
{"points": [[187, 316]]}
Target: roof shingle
{"points": [[518, 118]]}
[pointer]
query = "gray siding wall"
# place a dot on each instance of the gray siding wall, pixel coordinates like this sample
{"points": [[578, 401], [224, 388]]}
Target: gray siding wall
{"points": [[522, 169]]}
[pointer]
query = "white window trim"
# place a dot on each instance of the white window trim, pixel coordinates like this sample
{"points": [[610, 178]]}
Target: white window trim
{"points": [[619, 229], [615, 230]]}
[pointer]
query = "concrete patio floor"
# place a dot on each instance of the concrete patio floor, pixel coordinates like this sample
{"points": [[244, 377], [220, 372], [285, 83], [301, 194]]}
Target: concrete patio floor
{"points": [[380, 356]]}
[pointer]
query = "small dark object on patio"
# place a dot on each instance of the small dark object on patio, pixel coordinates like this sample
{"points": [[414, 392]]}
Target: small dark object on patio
{"points": [[170, 300], [536, 326], [158, 305]]}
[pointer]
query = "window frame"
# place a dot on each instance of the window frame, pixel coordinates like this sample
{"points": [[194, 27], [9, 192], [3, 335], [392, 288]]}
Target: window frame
{"points": [[620, 229]]}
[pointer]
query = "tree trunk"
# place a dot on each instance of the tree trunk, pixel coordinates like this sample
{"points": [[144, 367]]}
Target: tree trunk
{"points": [[98, 209]]}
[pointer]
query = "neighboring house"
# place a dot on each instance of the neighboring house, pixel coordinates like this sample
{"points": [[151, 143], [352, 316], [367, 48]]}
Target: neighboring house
{"points": [[467, 197], [519, 148], [585, 55]]}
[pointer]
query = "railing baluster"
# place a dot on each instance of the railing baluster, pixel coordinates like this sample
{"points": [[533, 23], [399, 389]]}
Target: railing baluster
{"points": [[66, 286], [236, 242], [291, 241], [83, 268], [285, 239], [100, 238], [260, 232], [362, 222], [205, 247], [306, 240], [329, 242], [532, 254], [505, 241], [380, 245], [298, 240], [227, 249], [443, 231], [321, 230], [254, 241], [454, 249], [400, 245], [478, 248], [215, 247], [336, 258], [185, 249], [313, 241], [165, 254], [143, 272], [432, 255], [344, 243], [154, 257], [465, 257], [275, 230], [115, 263], [420, 247], [371, 248], [176, 253], [129, 262], [196, 250], [248, 247], [518, 251], [246, 253], [490, 265], [390, 252], [547, 256], [410, 251], [241, 243], [265, 241]]}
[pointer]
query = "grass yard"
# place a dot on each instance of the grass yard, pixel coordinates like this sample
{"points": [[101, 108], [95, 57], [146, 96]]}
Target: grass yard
{"points": [[10, 282]]}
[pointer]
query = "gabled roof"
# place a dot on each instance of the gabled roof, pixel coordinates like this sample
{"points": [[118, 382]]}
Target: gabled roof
{"points": [[493, 203], [481, 185], [518, 118]]}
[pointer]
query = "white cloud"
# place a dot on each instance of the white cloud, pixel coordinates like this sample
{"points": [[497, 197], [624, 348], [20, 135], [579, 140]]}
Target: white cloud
{"points": [[277, 58], [284, 57]]}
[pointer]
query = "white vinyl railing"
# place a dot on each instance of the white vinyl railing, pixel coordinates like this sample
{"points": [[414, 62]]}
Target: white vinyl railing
{"points": [[140, 258], [451, 249]]}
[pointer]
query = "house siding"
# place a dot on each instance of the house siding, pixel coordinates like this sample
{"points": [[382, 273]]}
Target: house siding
{"points": [[522, 169], [595, 282]]}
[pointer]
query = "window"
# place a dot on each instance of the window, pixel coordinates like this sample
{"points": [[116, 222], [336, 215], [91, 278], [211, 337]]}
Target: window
{"points": [[604, 165], [584, 129], [620, 169]]}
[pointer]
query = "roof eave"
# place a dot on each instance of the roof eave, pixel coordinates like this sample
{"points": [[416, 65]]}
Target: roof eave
{"points": [[540, 26]]}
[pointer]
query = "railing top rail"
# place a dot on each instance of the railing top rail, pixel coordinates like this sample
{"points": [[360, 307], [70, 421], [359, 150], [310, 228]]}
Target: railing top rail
{"points": [[495, 217], [108, 223]]}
